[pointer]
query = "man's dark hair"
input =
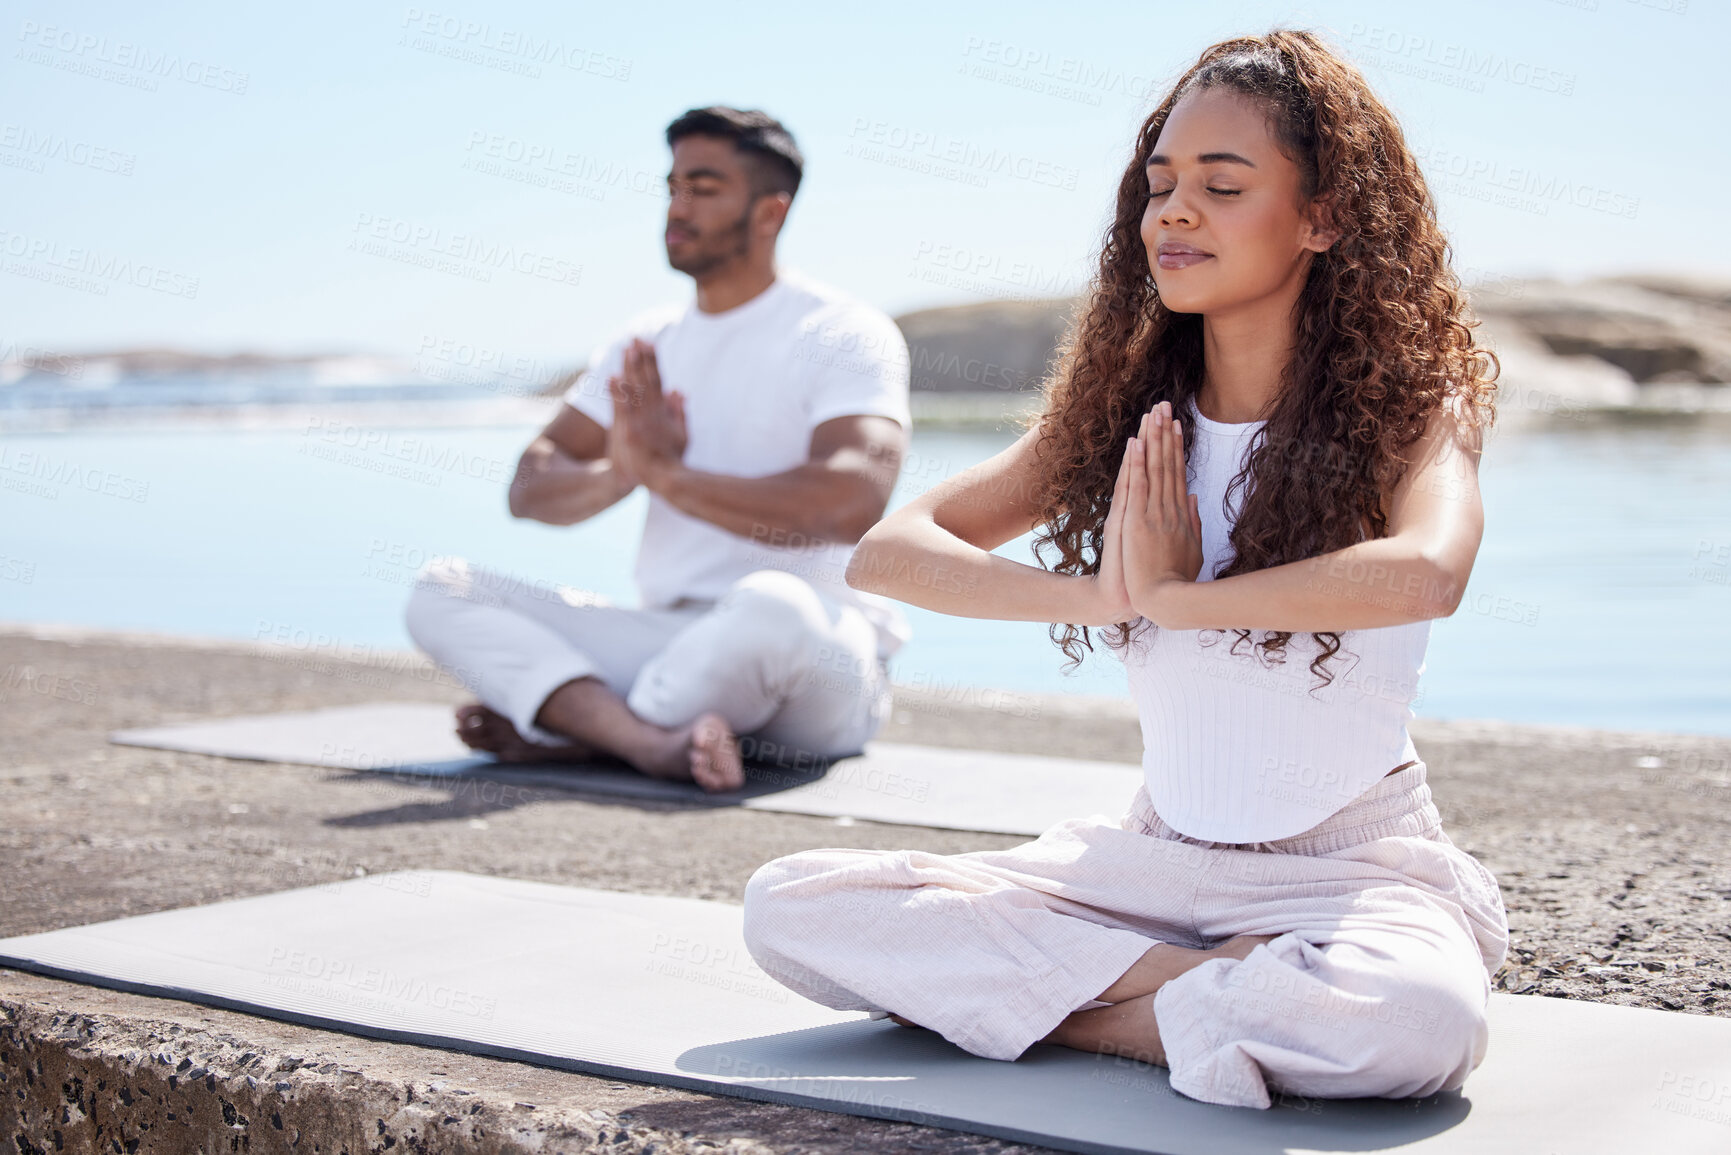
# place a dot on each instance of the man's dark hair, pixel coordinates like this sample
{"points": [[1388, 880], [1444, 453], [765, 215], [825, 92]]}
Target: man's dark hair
{"points": [[768, 148]]}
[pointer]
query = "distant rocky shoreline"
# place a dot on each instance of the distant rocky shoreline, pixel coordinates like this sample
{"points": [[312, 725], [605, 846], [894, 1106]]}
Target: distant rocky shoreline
{"points": [[1653, 344], [1613, 344]]}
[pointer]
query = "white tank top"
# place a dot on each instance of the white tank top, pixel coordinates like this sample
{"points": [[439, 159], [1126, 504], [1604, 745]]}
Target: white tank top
{"points": [[1236, 749]]}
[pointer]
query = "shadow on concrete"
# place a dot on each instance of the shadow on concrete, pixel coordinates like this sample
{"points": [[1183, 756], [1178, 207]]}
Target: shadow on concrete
{"points": [[476, 787]]}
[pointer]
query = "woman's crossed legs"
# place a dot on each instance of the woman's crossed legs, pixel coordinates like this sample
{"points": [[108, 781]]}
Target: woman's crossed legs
{"points": [[1362, 971]]}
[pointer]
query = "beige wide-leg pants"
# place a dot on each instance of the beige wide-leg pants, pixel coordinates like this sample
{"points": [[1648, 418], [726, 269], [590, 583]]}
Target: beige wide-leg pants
{"points": [[795, 673], [1377, 985]]}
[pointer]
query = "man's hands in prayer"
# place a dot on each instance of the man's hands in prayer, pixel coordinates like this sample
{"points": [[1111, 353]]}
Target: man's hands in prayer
{"points": [[647, 438]]}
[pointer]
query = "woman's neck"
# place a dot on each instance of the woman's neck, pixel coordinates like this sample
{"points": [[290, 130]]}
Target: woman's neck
{"points": [[1244, 355]]}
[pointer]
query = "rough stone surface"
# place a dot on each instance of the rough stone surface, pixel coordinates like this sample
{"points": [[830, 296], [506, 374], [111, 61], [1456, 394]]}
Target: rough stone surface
{"points": [[83, 1069], [1614, 852]]}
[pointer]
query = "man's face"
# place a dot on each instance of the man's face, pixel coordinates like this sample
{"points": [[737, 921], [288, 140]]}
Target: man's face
{"points": [[709, 206]]}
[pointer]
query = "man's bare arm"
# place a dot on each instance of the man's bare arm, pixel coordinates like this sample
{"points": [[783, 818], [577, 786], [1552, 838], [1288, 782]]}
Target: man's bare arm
{"points": [[566, 475], [836, 495]]}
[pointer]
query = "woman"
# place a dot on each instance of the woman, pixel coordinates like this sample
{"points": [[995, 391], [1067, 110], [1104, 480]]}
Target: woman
{"points": [[1260, 445]]}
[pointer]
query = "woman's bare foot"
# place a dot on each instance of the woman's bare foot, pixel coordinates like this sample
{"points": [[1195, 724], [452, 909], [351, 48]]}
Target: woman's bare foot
{"points": [[1127, 1029], [1165, 961], [492, 733], [705, 752], [1240, 946]]}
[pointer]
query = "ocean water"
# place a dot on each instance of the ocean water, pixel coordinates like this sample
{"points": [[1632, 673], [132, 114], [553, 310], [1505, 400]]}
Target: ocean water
{"points": [[1600, 596]]}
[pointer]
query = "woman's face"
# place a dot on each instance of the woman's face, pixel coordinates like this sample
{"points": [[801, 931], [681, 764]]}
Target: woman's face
{"points": [[1224, 204]]}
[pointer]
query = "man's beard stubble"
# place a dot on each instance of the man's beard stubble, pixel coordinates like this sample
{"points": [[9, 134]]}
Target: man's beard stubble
{"points": [[730, 244]]}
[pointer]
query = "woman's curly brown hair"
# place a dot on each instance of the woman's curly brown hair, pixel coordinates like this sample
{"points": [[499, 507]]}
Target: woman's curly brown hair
{"points": [[1382, 339]]}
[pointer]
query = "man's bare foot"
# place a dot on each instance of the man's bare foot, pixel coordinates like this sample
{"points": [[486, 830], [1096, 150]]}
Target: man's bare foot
{"points": [[705, 752], [895, 1018], [492, 733], [715, 761]]}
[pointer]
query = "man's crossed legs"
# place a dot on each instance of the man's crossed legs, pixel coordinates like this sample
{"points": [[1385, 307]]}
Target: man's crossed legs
{"points": [[564, 675]]}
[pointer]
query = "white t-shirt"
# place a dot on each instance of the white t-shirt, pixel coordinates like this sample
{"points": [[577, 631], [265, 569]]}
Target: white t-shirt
{"points": [[757, 380]]}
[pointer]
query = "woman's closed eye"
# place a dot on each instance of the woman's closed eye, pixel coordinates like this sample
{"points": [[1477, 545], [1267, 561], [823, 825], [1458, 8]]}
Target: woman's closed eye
{"points": [[1223, 192]]}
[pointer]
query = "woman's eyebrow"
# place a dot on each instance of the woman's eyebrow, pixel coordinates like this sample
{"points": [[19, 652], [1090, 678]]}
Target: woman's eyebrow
{"points": [[1204, 158]]}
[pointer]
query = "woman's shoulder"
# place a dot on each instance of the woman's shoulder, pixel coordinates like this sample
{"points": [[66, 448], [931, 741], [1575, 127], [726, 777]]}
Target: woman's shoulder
{"points": [[1455, 419]]}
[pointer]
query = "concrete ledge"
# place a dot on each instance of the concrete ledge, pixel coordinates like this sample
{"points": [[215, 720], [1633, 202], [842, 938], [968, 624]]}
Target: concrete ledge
{"points": [[87, 1070], [1612, 850]]}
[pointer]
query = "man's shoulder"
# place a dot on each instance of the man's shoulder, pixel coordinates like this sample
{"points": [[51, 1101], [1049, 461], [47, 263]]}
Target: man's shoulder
{"points": [[837, 319], [814, 298]]}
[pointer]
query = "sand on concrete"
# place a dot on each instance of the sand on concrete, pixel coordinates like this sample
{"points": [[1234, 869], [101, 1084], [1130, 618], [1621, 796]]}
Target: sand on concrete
{"points": [[1613, 850]]}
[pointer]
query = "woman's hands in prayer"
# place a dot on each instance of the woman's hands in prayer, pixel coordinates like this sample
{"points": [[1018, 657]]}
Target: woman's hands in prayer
{"points": [[1153, 531], [1110, 589]]}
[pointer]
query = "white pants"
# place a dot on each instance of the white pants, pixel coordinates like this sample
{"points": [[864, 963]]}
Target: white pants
{"points": [[1376, 986], [795, 673]]}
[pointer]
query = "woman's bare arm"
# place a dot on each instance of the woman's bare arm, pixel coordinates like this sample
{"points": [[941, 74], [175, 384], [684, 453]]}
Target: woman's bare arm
{"points": [[935, 551], [1419, 571]]}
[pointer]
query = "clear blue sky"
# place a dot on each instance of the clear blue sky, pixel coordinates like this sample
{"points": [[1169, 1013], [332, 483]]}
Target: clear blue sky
{"points": [[246, 148]]}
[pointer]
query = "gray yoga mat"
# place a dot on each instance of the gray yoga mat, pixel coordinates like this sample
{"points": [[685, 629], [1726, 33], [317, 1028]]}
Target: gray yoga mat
{"points": [[889, 782], [661, 990]]}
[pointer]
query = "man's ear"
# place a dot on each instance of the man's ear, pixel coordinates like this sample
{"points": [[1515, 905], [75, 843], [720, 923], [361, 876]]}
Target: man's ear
{"points": [[771, 211], [1323, 232]]}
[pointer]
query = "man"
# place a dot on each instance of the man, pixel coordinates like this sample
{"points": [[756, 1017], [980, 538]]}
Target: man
{"points": [[767, 418]]}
